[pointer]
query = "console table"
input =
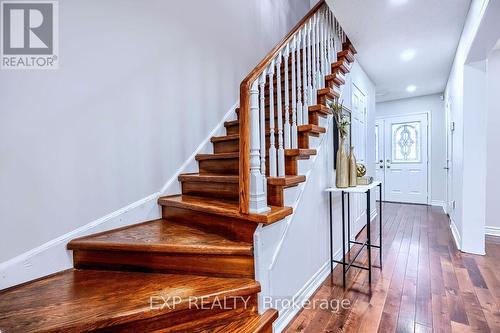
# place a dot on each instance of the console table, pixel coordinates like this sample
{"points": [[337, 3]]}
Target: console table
{"points": [[346, 265]]}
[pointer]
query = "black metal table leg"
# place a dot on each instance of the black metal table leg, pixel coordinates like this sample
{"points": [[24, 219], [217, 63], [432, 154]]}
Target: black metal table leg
{"points": [[331, 227], [380, 224], [368, 232], [349, 220], [343, 241]]}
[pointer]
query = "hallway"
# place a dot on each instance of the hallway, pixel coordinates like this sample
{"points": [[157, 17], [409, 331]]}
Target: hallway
{"points": [[426, 284]]}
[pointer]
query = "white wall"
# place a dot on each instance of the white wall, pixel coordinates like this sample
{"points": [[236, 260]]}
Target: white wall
{"points": [[435, 106], [292, 256], [468, 145], [139, 87], [493, 157]]}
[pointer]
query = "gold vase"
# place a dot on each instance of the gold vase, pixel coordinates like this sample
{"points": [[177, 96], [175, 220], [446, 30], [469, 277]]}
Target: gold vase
{"points": [[353, 174], [342, 172]]}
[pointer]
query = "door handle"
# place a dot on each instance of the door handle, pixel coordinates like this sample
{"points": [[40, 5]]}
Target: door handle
{"points": [[388, 167], [381, 167], [446, 168]]}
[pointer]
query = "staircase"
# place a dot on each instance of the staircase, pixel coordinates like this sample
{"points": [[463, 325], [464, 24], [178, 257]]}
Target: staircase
{"points": [[193, 269]]}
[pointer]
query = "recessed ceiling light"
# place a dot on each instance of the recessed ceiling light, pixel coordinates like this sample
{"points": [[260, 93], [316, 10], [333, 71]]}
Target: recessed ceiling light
{"points": [[407, 55], [398, 2], [411, 88]]}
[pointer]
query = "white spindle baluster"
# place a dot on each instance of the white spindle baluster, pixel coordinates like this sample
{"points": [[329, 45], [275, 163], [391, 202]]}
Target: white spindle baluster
{"points": [[281, 152], [330, 40], [318, 55], [309, 65], [272, 147], [286, 126], [258, 186], [314, 78], [326, 41], [262, 122], [324, 47], [294, 101], [305, 87], [300, 57], [321, 54]]}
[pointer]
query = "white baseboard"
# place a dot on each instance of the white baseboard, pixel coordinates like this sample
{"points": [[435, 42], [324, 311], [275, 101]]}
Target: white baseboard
{"points": [[53, 256], [492, 231], [456, 234], [303, 294], [439, 203]]}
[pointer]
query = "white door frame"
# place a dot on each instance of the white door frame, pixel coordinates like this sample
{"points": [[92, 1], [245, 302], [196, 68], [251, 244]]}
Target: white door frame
{"points": [[448, 205], [429, 145]]}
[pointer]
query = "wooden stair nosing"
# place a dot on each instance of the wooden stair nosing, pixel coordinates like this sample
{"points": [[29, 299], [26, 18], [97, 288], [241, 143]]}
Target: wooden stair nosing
{"points": [[204, 157], [126, 239], [320, 109], [224, 208], [347, 55], [286, 181], [311, 129], [349, 46], [328, 92], [300, 128], [342, 66], [208, 178]]}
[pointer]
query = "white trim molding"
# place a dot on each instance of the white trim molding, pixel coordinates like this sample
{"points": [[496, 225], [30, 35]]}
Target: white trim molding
{"points": [[311, 286], [439, 203], [456, 234], [492, 231]]}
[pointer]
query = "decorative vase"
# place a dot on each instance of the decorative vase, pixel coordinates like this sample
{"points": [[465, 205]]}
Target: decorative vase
{"points": [[353, 173], [342, 172]]}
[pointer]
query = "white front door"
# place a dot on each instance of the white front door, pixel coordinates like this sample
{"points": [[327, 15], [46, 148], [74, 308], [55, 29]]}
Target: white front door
{"points": [[402, 164]]}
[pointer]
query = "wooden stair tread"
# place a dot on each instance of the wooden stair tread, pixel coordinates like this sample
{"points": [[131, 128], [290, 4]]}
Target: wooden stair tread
{"points": [[339, 79], [321, 109], [347, 54], [311, 128], [348, 46], [253, 324], [225, 138], [208, 178], [301, 128], [202, 157], [342, 66], [161, 236], [300, 152], [223, 207], [286, 181], [85, 300], [328, 92]]}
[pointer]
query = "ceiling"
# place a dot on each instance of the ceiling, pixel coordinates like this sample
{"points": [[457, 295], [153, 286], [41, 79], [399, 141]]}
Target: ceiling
{"points": [[382, 30]]}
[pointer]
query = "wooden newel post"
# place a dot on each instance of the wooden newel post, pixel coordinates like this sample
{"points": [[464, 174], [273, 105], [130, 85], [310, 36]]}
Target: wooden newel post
{"points": [[258, 184]]}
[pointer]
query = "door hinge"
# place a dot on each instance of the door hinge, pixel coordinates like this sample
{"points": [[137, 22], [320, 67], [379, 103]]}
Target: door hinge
{"points": [[452, 126]]}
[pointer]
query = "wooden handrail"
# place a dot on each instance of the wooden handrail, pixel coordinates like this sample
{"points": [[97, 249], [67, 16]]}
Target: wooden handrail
{"points": [[244, 161]]}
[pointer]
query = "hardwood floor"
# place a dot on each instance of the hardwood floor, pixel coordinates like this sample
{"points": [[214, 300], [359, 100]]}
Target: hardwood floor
{"points": [[426, 284]]}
